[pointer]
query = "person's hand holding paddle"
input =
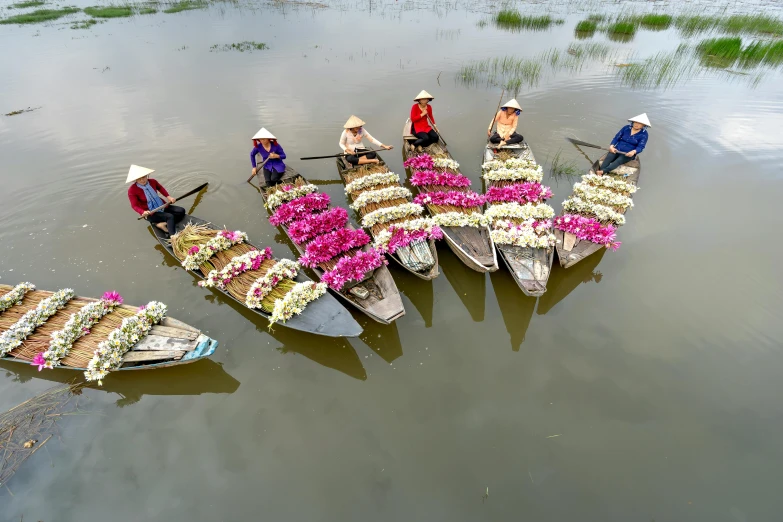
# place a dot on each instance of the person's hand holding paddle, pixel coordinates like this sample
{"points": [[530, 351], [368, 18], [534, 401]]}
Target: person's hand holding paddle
{"points": [[145, 214], [612, 149], [387, 147], [631, 153], [172, 200]]}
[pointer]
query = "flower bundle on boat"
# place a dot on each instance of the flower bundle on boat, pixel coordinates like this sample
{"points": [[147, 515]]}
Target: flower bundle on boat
{"points": [[398, 226], [253, 277], [97, 336]]}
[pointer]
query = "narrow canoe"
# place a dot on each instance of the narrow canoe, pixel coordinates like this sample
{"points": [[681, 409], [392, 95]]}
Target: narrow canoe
{"points": [[427, 273], [473, 246], [324, 316], [383, 302], [530, 267], [169, 343], [581, 249]]}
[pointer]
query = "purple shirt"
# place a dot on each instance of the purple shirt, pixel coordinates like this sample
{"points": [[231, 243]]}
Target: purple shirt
{"points": [[275, 165]]}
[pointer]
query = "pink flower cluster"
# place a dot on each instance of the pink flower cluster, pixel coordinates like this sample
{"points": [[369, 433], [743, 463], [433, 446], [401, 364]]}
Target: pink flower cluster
{"points": [[299, 208], [231, 236], [308, 227], [588, 229], [112, 296], [453, 198], [327, 246], [39, 361], [528, 192], [353, 268], [433, 177], [421, 162], [193, 250], [402, 238]]}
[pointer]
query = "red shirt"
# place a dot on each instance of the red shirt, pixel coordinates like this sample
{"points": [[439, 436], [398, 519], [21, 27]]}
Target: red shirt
{"points": [[137, 198], [420, 123]]}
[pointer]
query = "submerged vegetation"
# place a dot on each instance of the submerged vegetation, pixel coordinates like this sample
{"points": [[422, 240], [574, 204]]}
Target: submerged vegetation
{"points": [[586, 26], [30, 3], [241, 47], [720, 52], [186, 5], [562, 168], [114, 11], [85, 24], [513, 19], [40, 15]]}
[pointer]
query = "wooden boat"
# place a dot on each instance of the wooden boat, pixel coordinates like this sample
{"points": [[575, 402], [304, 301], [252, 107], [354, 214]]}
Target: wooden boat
{"points": [[473, 246], [407, 257], [530, 267], [324, 316], [169, 343], [571, 250], [376, 295]]}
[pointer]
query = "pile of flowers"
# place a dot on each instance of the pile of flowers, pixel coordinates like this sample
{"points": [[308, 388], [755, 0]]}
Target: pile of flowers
{"points": [[288, 193], [445, 191], [514, 169], [375, 179], [527, 192], [596, 208], [353, 268], [15, 296], [520, 212], [384, 215], [199, 254], [377, 196], [299, 209], [403, 234], [296, 300], [19, 331], [328, 246], [238, 265], [309, 227], [108, 355], [263, 286], [529, 233], [78, 326]]}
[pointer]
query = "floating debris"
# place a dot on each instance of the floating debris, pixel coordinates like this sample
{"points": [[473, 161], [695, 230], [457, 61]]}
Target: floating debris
{"points": [[22, 111]]}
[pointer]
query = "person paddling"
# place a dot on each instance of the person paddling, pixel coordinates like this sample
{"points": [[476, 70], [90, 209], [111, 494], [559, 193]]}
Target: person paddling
{"points": [[506, 120], [265, 144], [424, 127], [351, 142], [143, 196], [628, 143]]}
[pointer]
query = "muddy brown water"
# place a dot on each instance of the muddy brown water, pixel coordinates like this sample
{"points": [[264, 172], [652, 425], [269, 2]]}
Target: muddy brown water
{"points": [[644, 385]]}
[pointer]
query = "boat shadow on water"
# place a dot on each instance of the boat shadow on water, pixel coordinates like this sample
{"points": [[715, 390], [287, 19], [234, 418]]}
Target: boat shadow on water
{"points": [[419, 292], [515, 307], [564, 281], [470, 286]]}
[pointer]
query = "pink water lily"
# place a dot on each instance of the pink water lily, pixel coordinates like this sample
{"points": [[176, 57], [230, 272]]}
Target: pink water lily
{"points": [[588, 229], [402, 238], [434, 178], [308, 227], [452, 198], [353, 268], [113, 297], [299, 208], [326, 247], [527, 192], [193, 250], [39, 361], [420, 162]]}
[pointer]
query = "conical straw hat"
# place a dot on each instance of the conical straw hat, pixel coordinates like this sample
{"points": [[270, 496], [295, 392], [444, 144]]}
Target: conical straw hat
{"points": [[642, 118], [422, 95], [264, 134], [512, 103], [137, 172], [353, 122]]}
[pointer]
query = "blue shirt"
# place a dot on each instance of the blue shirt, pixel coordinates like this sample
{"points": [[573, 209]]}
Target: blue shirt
{"points": [[276, 164], [625, 142]]}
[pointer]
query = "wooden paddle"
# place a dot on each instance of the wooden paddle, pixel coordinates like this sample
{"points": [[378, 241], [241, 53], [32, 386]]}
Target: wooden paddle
{"points": [[585, 144], [436, 130], [197, 189], [497, 110], [259, 168], [342, 155]]}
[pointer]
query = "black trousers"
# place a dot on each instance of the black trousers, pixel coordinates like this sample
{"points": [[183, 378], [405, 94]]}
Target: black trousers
{"points": [[426, 138], [171, 216], [514, 138], [271, 177], [612, 161], [353, 159]]}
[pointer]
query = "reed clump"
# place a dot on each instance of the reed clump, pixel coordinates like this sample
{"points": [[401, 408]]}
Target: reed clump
{"points": [[622, 29], [109, 11], [514, 20], [655, 22], [30, 3], [240, 46], [762, 53], [186, 5], [40, 16], [720, 52], [586, 28]]}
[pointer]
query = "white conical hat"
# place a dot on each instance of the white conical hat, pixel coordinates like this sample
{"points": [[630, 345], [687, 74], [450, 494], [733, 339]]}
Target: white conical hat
{"points": [[353, 122], [137, 172], [264, 134], [642, 118], [423, 94], [511, 103]]}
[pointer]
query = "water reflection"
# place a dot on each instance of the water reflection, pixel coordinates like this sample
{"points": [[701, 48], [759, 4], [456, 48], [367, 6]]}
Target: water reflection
{"points": [[563, 281], [470, 286], [199, 377], [516, 307], [420, 293], [383, 339]]}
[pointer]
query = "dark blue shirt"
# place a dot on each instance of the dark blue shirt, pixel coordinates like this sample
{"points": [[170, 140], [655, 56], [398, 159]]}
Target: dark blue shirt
{"points": [[276, 164], [625, 142]]}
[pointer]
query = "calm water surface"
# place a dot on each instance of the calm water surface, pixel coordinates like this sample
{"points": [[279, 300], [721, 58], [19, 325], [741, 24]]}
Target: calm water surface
{"points": [[645, 385]]}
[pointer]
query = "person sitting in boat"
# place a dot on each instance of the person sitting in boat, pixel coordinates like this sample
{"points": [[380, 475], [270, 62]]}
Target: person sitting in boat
{"points": [[423, 127], [272, 154], [144, 199], [351, 143], [628, 143], [506, 120]]}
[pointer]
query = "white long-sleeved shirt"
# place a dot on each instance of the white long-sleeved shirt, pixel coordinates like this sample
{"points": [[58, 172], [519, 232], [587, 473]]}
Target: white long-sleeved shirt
{"points": [[351, 142]]}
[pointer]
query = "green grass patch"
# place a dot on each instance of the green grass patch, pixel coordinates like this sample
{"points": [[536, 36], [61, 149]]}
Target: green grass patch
{"points": [[586, 26], [86, 24], [186, 5], [596, 17], [147, 10], [39, 16], [109, 11], [513, 20], [762, 53], [720, 52], [31, 3], [622, 27], [656, 22], [562, 168], [692, 24], [241, 47], [752, 24], [665, 69]]}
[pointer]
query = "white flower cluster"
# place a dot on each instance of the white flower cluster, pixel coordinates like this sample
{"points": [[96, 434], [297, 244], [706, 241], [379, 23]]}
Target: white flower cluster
{"points": [[296, 300], [445, 163], [217, 244], [511, 163], [384, 215], [535, 173], [283, 269], [458, 219], [524, 235], [610, 182], [15, 296], [383, 238], [77, 326], [602, 213], [280, 196], [372, 180], [217, 278], [376, 196], [517, 211], [603, 196], [19, 331], [108, 355]]}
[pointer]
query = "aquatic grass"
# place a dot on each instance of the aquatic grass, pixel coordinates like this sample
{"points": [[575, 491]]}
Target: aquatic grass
{"points": [[513, 20], [595, 17], [30, 3], [586, 27], [753, 24], [84, 24], [655, 22], [561, 168], [40, 16], [111, 11], [622, 27], [691, 24], [665, 69], [185, 5], [719, 52], [762, 53], [240, 46]]}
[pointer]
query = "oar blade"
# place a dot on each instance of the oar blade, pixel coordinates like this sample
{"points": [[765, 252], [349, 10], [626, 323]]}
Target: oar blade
{"points": [[584, 143]]}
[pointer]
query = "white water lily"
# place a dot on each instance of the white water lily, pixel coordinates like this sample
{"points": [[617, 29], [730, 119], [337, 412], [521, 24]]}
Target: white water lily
{"points": [[458, 219], [511, 163], [384, 236], [15, 296], [445, 163], [78, 325], [601, 212], [376, 196], [535, 173], [610, 182], [525, 235], [34, 318], [604, 196], [517, 211], [283, 269], [280, 196], [384, 215], [222, 241], [372, 180], [296, 300]]}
